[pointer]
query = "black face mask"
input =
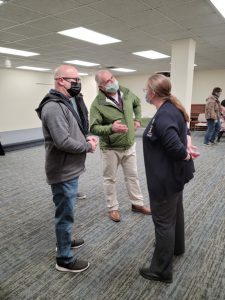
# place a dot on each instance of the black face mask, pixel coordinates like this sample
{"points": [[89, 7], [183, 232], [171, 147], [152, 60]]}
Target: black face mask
{"points": [[75, 89]]}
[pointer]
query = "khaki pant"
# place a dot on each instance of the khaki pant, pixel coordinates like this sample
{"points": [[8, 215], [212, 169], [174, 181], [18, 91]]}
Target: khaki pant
{"points": [[111, 161]]}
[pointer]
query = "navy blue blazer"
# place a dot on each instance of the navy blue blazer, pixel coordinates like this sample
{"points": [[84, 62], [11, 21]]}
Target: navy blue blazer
{"points": [[164, 144]]}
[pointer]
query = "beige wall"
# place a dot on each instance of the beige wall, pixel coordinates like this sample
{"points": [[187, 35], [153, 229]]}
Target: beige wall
{"points": [[203, 83], [136, 85], [22, 91]]}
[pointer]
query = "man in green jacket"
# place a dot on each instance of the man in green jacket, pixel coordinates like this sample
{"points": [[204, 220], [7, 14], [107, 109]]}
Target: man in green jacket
{"points": [[111, 118]]}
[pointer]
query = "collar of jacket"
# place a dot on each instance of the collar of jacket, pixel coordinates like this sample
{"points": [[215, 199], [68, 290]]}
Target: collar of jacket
{"points": [[102, 97]]}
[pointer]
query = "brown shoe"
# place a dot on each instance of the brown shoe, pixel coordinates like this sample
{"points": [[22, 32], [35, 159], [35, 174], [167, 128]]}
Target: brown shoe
{"points": [[141, 209], [114, 215]]}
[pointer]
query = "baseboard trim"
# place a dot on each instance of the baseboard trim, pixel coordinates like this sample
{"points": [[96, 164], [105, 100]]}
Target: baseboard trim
{"points": [[23, 145]]}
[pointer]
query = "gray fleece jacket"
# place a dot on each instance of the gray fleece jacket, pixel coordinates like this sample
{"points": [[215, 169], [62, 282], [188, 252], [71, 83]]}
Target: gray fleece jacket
{"points": [[65, 142]]}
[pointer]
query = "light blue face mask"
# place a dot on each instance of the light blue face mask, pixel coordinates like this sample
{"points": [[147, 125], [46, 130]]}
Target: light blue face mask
{"points": [[112, 87]]}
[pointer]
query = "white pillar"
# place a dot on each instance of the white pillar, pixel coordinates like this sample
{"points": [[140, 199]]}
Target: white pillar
{"points": [[182, 70]]}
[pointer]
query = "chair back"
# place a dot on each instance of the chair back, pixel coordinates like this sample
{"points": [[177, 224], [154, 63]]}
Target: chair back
{"points": [[201, 118]]}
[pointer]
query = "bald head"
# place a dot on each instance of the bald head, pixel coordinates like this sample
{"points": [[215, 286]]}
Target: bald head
{"points": [[66, 71], [63, 76]]}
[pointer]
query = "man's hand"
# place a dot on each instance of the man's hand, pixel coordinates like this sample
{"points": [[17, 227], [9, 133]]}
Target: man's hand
{"points": [[93, 146], [92, 138], [137, 125], [118, 127]]}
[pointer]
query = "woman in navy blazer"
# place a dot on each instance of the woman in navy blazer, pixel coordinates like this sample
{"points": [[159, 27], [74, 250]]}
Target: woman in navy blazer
{"points": [[168, 166]]}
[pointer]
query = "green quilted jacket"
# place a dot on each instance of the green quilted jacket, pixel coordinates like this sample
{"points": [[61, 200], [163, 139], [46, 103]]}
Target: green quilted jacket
{"points": [[104, 112]]}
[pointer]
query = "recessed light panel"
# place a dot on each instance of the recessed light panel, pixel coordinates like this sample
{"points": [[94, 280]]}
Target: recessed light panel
{"points": [[81, 63], [33, 68], [88, 35], [17, 52], [220, 6], [123, 70], [83, 74], [151, 54]]}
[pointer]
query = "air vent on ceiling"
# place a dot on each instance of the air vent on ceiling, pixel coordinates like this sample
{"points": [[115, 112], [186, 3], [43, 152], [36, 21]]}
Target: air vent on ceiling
{"points": [[111, 67], [165, 73]]}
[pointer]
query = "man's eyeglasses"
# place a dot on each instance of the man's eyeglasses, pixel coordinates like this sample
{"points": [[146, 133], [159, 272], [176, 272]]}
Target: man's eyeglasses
{"points": [[77, 80]]}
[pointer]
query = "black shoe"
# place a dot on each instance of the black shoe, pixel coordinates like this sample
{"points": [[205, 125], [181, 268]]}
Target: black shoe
{"points": [[178, 253], [77, 243], [147, 274], [76, 266]]}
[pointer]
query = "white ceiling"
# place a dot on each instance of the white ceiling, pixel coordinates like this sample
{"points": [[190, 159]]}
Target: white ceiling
{"points": [[141, 25]]}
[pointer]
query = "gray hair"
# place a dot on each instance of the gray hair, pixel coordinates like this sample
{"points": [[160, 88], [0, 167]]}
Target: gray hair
{"points": [[98, 76]]}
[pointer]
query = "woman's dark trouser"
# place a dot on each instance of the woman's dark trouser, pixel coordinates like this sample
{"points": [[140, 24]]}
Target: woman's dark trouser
{"points": [[168, 218]]}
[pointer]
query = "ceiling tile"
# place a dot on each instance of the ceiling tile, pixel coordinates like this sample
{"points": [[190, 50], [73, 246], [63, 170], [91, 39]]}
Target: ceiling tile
{"points": [[148, 17], [5, 24], [6, 37], [83, 16], [139, 24], [192, 8], [51, 24], [48, 6], [164, 3], [209, 30], [18, 14], [115, 9], [166, 27], [26, 31]]}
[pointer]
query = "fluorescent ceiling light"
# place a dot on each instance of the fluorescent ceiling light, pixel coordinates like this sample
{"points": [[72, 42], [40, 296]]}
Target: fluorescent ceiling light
{"points": [[17, 52], [33, 68], [1, 2], [220, 6], [123, 70], [83, 74], [88, 35], [81, 63], [151, 54]]}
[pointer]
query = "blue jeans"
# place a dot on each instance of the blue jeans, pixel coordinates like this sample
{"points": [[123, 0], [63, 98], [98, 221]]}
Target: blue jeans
{"points": [[216, 131], [64, 196], [212, 131]]}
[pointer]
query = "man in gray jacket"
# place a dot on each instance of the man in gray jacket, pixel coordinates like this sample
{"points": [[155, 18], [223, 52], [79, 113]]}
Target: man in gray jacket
{"points": [[66, 146]]}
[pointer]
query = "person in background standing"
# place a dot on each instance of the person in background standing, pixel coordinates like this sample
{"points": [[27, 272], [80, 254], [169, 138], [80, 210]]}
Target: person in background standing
{"points": [[212, 115]]}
